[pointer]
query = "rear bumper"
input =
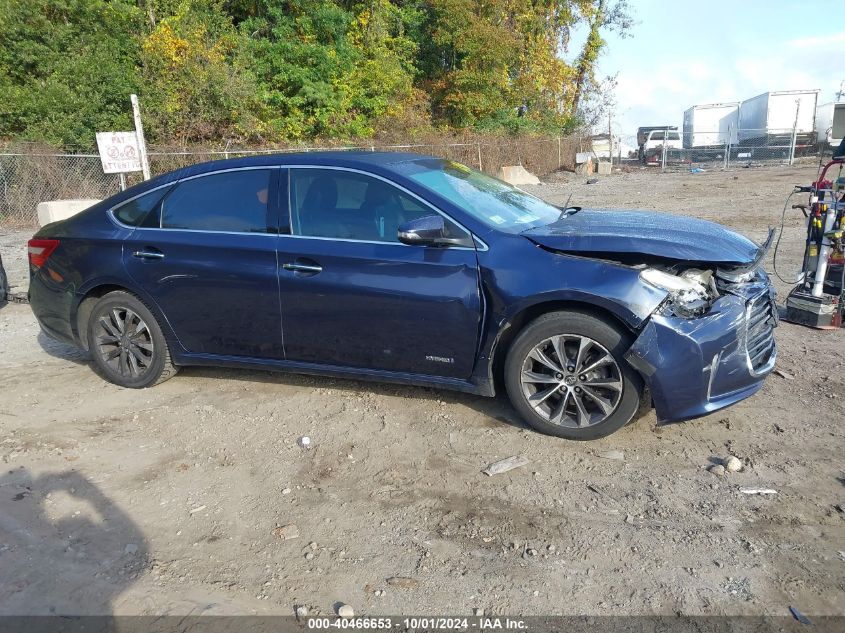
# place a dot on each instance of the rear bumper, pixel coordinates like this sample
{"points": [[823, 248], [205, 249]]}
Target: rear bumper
{"points": [[697, 366], [51, 303]]}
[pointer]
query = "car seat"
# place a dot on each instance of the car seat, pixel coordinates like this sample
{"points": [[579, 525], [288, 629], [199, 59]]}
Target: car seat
{"points": [[317, 214], [382, 208]]}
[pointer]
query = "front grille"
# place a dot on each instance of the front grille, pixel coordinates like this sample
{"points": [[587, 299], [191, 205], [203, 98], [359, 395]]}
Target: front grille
{"points": [[760, 320]]}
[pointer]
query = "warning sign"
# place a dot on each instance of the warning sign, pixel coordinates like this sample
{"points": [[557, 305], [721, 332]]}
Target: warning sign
{"points": [[119, 152]]}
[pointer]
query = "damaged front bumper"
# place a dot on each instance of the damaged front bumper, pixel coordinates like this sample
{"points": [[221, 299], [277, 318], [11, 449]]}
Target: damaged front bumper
{"points": [[696, 366]]}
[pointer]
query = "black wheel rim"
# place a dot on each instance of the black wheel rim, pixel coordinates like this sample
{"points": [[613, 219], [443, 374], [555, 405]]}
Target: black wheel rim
{"points": [[124, 342]]}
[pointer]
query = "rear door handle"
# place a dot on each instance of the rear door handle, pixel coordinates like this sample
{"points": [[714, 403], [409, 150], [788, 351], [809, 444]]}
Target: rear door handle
{"points": [[303, 268], [148, 255]]}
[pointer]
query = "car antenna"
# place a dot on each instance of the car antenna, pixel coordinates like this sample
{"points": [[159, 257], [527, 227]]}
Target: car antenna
{"points": [[565, 209]]}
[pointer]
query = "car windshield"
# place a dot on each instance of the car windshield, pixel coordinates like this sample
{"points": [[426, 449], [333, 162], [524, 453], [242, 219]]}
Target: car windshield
{"points": [[491, 201]]}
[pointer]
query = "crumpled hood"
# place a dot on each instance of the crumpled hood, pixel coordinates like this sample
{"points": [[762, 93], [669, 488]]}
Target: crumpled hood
{"points": [[643, 232]]}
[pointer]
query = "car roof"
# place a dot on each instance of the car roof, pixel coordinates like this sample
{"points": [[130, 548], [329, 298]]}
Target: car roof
{"points": [[343, 158]]}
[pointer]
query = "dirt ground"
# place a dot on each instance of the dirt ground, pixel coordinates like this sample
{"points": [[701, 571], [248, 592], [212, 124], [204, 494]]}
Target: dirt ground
{"points": [[175, 500]]}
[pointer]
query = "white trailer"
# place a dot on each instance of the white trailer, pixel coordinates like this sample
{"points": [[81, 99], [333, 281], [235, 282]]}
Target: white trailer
{"points": [[771, 116], [604, 146], [711, 125], [830, 123]]}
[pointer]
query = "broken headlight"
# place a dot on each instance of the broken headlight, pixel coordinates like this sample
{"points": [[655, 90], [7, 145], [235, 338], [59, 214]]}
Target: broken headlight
{"points": [[690, 293]]}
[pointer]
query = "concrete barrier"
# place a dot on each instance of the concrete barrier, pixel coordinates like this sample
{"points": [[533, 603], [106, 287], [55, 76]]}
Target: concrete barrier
{"points": [[55, 210], [586, 168], [517, 175]]}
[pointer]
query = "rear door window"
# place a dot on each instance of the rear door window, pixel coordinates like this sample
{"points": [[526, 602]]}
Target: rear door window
{"points": [[232, 201]]}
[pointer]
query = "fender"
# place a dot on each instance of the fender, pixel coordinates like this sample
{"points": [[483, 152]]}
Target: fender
{"points": [[612, 288], [127, 283]]}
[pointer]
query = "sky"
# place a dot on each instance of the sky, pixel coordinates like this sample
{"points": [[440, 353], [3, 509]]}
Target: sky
{"points": [[682, 53]]}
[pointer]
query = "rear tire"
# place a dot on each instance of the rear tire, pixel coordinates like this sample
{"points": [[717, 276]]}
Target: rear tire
{"points": [[566, 376], [126, 342]]}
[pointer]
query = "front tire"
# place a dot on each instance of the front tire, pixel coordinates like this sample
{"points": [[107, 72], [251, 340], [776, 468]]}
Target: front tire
{"points": [[566, 376], [126, 342]]}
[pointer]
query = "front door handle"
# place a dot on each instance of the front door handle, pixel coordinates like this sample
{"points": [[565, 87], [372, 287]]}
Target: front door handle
{"points": [[312, 269], [148, 255]]}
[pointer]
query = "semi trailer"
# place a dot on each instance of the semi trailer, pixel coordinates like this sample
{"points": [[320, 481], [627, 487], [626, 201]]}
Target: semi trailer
{"points": [[769, 119], [712, 125], [830, 124]]}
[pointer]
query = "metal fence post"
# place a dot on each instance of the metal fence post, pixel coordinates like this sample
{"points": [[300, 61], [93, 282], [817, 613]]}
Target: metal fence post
{"points": [[792, 144], [663, 153], [478, 147], [794, 132]]}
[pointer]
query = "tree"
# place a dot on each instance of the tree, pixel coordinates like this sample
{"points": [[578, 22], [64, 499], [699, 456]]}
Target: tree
{"points": [[67, 68], [598, 17], [277, 70], [327, 69], [191, 86], [486, 60]]}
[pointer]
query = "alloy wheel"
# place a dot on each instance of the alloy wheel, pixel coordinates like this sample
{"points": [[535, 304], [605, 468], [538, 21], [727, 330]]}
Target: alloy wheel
{"points": [[571, 380], [124, 342]]}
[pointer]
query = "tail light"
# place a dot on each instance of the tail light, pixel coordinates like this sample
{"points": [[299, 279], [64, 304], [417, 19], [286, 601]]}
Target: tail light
{"points": [[40, 250]]}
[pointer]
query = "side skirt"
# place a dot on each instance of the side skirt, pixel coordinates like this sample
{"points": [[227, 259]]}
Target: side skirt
{"points": [[313, 369]]}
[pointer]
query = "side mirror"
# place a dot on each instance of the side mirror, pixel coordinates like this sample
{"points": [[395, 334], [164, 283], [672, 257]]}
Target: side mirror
{"points": [[430, 230]]}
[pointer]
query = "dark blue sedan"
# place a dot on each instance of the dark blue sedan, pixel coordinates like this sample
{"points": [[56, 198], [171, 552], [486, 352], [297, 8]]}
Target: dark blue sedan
{"points": [[410, 269]]}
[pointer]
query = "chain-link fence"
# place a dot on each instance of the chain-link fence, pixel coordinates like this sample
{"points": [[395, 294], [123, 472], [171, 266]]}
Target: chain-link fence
{"points": [[30, 177], [719, 149], [27, 179]]}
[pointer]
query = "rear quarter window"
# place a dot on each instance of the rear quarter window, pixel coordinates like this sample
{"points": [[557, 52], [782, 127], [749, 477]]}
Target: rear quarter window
{"points": [[143, 210]]}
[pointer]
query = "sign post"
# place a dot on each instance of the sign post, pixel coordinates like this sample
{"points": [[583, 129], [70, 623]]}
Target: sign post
{"points": [[139, 132], [124, 152]]}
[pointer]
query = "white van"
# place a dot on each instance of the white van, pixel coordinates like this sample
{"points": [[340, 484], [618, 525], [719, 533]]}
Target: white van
{"points": [[652, 139]]}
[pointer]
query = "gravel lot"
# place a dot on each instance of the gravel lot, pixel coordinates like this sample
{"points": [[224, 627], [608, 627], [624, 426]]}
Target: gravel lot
{"points": [[174, 500]]}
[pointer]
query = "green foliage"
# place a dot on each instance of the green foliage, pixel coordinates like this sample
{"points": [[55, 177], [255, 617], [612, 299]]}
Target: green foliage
{"points": [[325, 69], [191, 86], [298, 51], [66, 68], [276, 70]]}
